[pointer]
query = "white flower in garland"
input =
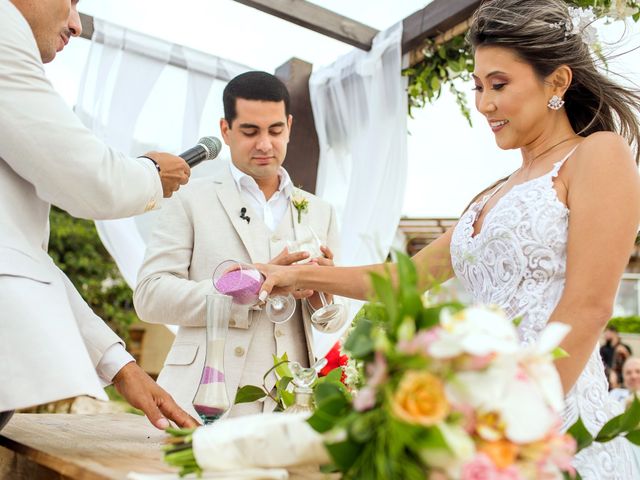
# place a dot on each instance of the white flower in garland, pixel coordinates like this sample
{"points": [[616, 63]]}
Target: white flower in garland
{"points": [[621, 9], [581, 23]]}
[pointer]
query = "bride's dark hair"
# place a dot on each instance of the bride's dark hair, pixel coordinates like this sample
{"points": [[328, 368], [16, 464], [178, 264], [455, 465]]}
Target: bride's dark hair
{"points": [[536, 32]]}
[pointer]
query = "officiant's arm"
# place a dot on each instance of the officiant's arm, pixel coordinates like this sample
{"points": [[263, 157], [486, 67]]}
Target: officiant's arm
{"points": [[432, 262], [45, 143], [604, 199]]}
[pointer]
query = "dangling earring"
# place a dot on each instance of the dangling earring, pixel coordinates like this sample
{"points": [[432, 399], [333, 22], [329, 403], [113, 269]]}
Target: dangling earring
{"points": [[555, 103]]}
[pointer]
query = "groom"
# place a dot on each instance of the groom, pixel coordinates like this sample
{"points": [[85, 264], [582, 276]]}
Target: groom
{"points": [[244, 213]]}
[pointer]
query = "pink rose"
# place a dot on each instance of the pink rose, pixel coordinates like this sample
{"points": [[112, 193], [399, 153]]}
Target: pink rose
{"points": [[482, 468]]}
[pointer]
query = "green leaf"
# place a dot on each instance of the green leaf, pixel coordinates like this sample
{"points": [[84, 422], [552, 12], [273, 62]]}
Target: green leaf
{"points": [[634, 437], [580, 433], [282, 368], [344, 454], [360, 342], [385, 293], [558, 353], [631, 417], [249, 393], [288, 398]]}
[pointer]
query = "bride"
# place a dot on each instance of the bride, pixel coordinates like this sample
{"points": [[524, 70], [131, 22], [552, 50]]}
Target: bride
{"points": [[550, 242]]}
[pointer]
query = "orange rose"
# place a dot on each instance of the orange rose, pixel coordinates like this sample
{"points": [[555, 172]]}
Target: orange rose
{"points": [[502, 453], [420, 399]]}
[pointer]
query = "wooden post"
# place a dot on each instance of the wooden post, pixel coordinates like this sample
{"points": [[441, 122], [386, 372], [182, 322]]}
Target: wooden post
{"points": [[303, 152]]}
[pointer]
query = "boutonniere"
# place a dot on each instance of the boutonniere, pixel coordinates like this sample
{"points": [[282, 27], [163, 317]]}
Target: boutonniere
{"points": [[300, 203]]}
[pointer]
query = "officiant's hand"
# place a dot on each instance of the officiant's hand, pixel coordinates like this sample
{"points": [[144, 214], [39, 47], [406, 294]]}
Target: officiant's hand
{"points": [[285, 258], [172, 169], [142, 392]]}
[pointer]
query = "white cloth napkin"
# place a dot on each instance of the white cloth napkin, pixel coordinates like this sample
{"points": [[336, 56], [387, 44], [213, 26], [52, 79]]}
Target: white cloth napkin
{"points": [[272, 440], [246, 474]]}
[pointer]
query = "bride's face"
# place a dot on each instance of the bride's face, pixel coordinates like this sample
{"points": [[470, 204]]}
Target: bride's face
{"points": [[510, 95]]}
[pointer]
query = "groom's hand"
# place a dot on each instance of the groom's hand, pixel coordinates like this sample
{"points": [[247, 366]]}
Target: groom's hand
{"points": [[325, 261], [142, 392], [285, 258]]}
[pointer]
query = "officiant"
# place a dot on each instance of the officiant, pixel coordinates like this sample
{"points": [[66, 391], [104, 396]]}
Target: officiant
{"points": [[52, 345]]}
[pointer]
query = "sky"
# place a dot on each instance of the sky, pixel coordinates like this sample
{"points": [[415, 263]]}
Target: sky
{"points": [[449, 162]]}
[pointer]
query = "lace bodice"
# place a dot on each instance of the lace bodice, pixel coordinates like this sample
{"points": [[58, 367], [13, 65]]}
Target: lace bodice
{"points": [[518, 261]]}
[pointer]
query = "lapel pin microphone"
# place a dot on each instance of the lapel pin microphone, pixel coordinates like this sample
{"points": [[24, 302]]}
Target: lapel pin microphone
{"points": [[243, 215]]}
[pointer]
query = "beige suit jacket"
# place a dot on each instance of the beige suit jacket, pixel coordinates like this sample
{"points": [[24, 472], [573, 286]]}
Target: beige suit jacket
{"points": [[50, 340], [198, 229]]}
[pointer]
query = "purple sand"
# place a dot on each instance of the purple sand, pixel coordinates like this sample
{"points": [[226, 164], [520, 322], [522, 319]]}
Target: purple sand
{"points": [[241, 287], [211, 375], [208, 411]]}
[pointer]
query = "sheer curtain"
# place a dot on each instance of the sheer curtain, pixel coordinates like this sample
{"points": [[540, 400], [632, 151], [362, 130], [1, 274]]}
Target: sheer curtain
{"points": [[134, 100], [360, 109]]}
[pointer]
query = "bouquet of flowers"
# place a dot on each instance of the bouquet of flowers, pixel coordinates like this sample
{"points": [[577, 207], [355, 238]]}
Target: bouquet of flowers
{"points": [[450, 393], [444, 392]]}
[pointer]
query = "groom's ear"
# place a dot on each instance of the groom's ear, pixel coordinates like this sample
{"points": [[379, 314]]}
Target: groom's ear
{"points": [[224, 130]]}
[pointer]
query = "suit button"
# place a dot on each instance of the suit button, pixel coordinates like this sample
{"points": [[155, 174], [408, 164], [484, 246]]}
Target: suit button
{"points": [[239, 351], [232, 323], [279, 333]]}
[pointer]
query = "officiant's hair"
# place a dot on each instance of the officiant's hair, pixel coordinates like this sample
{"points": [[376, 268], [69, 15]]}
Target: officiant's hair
{"points": [[539, 34], [253, 86]]}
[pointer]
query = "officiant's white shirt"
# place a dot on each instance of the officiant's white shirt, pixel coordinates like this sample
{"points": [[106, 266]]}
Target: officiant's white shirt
{"points": [[270, 211]]}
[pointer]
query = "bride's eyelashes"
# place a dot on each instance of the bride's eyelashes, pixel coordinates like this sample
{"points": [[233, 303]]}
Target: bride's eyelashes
{"points": [[495, 86]]}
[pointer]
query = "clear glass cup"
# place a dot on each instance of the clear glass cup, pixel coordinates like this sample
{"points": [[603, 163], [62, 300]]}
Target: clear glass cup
{"points": [[331, 316], [243, 282], [211, 400]]}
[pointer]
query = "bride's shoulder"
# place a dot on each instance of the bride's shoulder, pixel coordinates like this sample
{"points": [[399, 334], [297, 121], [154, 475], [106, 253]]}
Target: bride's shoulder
{"points": [[604, 155]]}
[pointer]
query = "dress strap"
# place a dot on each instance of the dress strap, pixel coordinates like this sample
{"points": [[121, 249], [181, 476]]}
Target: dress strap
{"points": [[558, 165], [486, 197]]}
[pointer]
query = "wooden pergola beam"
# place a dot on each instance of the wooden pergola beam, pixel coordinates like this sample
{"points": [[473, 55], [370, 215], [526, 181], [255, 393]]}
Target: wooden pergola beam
{"points": [[318, 19], [87, 26], [433, 20]]}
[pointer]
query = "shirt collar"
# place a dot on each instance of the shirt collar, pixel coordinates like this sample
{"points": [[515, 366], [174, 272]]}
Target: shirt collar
{"points": [[242, 180]]}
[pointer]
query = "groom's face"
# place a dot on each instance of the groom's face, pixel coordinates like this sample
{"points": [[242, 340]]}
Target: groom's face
{"points": [[258, 137]]}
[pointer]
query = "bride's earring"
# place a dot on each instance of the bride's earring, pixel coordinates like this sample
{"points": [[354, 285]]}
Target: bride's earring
{"points": [[555, 103]]}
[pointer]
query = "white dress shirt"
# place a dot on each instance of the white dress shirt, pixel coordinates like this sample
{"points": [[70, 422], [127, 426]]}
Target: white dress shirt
{"points": [[270, 211]]}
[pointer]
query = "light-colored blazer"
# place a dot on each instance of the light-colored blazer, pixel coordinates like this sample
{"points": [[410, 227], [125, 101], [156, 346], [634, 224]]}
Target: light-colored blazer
{"points": [[198, 229], [50, 340]]}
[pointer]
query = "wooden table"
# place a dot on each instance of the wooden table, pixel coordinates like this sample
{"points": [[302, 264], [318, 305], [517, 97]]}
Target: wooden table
{"points": [[86, 447]]}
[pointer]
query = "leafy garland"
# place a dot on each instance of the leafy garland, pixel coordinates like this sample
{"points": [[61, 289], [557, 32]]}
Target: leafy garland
{"points": [[446, 62]]}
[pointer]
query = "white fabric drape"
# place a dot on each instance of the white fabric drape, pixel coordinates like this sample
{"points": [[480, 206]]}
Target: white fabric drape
{"points": [[133, 100], [360, 109]]}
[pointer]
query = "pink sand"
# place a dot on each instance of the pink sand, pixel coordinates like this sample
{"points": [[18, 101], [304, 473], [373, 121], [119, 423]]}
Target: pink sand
{"points": [[242, 287]]}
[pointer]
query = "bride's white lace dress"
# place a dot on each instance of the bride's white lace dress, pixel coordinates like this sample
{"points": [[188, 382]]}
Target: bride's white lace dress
{"points": [[518, 261]]}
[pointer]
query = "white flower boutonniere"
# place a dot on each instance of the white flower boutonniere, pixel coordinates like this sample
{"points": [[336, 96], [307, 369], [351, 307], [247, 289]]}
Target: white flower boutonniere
{"points": [[300, 203]]}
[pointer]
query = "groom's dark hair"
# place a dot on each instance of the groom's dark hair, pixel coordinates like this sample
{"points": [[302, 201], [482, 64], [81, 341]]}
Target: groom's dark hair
{"points": [[253, 86]]}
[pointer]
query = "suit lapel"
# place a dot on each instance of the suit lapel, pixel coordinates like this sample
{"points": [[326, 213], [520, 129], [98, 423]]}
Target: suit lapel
{"points": [[232, 203]]}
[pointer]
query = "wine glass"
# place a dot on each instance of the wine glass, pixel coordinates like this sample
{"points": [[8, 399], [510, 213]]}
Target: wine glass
{"points": [[331, 316], [243, 283]]}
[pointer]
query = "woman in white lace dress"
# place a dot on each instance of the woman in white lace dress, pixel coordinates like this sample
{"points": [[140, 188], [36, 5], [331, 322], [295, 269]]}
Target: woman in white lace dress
{"points": [[551, 241]]}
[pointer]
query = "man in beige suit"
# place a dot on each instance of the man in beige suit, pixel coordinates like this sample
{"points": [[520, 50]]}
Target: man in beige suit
{"points": [[52, 346], [244, 213]]}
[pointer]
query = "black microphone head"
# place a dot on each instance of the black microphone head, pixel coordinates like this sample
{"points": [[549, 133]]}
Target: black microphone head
{"points": [[212, 145], [243, 211]]}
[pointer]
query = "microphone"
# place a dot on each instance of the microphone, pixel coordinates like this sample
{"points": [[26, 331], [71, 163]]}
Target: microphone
{"points": [[207, 148], [243, 215]]}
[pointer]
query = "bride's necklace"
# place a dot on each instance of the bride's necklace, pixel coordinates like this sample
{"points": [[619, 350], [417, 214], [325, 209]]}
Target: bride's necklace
{"points": [[528, 167]]}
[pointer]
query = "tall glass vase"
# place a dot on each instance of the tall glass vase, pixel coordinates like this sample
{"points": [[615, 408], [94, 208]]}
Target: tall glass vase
{"points": [[211, 400]]}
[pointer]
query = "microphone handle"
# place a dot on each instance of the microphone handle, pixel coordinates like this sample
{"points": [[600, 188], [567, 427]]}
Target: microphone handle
{"points": [[194, 155]]}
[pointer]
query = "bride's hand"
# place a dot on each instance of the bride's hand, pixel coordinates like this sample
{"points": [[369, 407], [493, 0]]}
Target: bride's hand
{"points": [[280, 280]]}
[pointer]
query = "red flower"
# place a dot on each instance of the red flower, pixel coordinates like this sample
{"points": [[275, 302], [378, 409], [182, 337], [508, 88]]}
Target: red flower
{"points": [[335, 360]]}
